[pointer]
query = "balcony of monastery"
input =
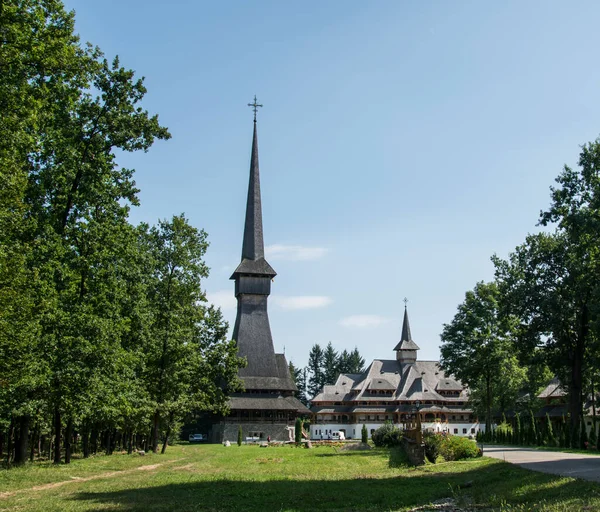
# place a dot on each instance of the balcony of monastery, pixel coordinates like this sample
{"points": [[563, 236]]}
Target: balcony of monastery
{"points": [[396, 418]]}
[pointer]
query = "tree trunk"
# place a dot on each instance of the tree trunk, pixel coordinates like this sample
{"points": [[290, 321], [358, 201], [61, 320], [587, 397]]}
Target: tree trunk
{"points": [[113, 444], [85, 439], [21, 439], [164, 446], [130, 443], [9, 448], [57, 432], [488, 400], [94, 440], [34, 437], [68, 440], [50, 441], [576, 387], [1, 445], [107, 443], [155, 431], [593, 407]]}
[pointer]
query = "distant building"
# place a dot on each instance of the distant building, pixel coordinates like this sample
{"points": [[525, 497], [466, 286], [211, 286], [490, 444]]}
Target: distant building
{"points": [[394, 390], [555, 401], [267, 407]]}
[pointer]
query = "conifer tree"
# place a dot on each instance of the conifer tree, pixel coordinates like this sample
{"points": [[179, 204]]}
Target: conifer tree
{"points": [[517, 434], [239, 439], [532, 429], [583, 437], [550, 438], [364, 434], [298, 431]]}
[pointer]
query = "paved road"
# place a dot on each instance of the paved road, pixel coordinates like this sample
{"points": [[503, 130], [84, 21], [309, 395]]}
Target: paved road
{"points": [[576, 465]]}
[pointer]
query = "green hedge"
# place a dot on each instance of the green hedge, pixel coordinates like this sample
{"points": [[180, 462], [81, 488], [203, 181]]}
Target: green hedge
{"points": [[387, 435], [449, 447]]}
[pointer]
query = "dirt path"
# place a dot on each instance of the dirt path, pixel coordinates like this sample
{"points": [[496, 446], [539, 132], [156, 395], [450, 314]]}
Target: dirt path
{"points": [[76, 479], [576, 465]]}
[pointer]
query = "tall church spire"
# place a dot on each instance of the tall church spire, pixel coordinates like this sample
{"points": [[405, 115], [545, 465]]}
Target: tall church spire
{"points": [[406, 349], [406, 336], [253, 247], [265, 370]]}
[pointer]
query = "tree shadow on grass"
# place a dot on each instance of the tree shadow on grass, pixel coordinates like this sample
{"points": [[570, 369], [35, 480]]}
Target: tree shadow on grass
{"points": [[352, 453], [488, 485]]}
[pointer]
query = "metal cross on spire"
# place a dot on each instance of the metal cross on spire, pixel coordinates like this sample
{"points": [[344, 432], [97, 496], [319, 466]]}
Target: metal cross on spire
{"points": [[405, 302], [255, 106]]}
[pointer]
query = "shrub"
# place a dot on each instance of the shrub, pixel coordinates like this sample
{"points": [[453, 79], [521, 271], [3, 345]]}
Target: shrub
{"points": [[239, 441], [387, 435], [458, 448], [503, 432], [298, 431], [364, 434], [432, 442]]}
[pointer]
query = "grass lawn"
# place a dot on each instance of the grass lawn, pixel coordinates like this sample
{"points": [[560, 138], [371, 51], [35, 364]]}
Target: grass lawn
{"points": [[286, 478]]}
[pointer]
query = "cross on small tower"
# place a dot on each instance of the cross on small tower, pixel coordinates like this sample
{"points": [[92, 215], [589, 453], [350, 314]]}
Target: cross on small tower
{"points": [[255, 106], [405, 302]]}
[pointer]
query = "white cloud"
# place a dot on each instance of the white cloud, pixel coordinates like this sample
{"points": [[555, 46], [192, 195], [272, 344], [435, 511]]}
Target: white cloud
{"points": [[362, 321], [294, 252], [222, 298], [302, 302]]}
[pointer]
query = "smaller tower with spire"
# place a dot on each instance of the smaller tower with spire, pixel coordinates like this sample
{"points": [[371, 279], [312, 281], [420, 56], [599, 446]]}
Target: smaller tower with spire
{"points": [[406, 349]]}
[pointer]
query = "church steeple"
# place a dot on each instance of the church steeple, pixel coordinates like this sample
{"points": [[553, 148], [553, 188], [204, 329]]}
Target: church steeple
{"points": [[253, 248], [265, 369], [406, 349], [406, 336]]}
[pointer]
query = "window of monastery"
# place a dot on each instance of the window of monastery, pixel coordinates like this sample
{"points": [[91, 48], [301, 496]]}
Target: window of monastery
{"points": [[456, 431]]}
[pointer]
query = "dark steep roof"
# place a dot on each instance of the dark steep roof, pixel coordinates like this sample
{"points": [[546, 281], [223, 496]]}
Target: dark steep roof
{"points": [[266, 403], [259, 266], [406, 342], [275, 376]]}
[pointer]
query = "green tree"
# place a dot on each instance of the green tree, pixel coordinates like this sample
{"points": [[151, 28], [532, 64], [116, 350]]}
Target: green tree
{"points": [[477, 348], [364, 434], [298, 431], [330, 364], [351, 362], [315, 368], [70, 113], [239, 436], [550, 438], [299, 377], [189, 365], [517, 438]]}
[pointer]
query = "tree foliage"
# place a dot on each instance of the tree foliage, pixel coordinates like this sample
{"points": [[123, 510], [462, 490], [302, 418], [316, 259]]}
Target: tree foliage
{"points": [[477, 348], [325, 365], [103, 328]]}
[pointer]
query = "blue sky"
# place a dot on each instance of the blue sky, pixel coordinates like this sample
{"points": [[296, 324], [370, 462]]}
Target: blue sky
{"points": [[402, 143]]}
